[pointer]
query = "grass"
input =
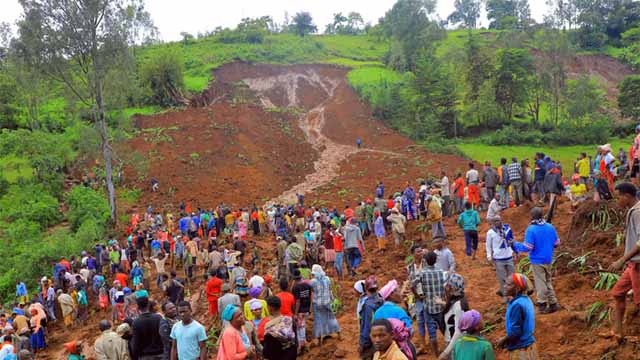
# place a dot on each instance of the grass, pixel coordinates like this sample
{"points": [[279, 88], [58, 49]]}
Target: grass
{"points": [[566, 154]]}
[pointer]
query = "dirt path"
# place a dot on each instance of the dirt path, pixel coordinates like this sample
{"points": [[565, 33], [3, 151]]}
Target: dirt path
{"points": [[312, 123]]}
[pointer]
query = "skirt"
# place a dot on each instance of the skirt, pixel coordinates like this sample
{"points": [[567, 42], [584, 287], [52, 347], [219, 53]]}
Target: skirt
{"points": [[37, 340], [329, 255], [528, 353], [324, 321]]}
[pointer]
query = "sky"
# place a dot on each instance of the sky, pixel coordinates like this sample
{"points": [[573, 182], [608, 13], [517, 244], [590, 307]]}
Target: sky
{"points": [[193, 16]]}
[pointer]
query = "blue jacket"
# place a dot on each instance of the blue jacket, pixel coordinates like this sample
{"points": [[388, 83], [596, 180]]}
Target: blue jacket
{"points": [[520, 323], [184, 224], [540, 241], [380, 191], [379, 227], [371, 304], [21, 289], [469, 220], [390, 310]]}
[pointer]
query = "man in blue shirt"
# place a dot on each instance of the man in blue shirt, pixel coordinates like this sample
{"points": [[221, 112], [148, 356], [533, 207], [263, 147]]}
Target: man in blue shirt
{"points": [[21, 292], [538, 176], [540, 241], [371, 304]]}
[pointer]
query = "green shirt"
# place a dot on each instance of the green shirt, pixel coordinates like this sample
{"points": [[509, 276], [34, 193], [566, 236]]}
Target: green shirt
{"points": [[82, 298], [114, 256], [472, 347]]}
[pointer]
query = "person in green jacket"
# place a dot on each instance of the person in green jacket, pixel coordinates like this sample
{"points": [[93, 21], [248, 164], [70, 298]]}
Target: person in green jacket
{"points": [[472, 346], [469, 221]]}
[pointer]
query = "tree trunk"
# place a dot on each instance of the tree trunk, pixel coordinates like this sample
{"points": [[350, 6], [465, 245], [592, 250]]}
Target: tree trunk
{"points": [[104, 135]]}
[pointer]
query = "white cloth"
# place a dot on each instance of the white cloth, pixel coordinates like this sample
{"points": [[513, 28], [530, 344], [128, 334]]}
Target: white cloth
{"points": [[256, 281], [455, 313], [472, 176], [494, 209], [497, 248], [446, 187]]}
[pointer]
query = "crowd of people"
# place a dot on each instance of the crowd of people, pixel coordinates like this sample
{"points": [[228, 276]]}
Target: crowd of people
{"points": [[141, 286]]}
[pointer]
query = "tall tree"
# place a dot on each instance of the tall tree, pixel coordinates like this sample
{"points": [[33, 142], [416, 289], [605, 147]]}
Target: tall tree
{"points": [[556, 49], [508, 14], [467, 13], [478, 70], [77, 43], [302, 24], [629, 97], [584, 97], [512, 80]]}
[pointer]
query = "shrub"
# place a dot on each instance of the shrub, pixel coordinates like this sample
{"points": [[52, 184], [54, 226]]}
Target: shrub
{"points": [[86, 204], [30, 202], [629, 97], [162, 76]]}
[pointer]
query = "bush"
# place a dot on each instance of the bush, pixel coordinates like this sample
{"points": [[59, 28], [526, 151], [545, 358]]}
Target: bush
{"points": [[32, 203], [86, 204], [163, 78], [629, 97], [585, 131]]}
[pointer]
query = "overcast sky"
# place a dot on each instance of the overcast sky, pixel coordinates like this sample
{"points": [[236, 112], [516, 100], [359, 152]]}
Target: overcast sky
{"points": [[193, 16]]}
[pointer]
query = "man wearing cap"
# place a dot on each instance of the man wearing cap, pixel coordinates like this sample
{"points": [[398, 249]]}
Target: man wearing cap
{"points": [[372, 302], [228, 298]]}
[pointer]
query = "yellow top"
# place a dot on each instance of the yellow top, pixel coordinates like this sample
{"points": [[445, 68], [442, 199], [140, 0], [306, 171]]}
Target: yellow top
{"points": [[392, 353], [583, 167], [578, 190]]}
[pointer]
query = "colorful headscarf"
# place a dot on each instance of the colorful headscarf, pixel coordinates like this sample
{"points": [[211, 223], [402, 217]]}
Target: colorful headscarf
{"points": [[227, 313], [456, 282], [469, 320], [359, 287], [521, 281], [317, 271], [388, 289], [254, 292], [255, 304]]}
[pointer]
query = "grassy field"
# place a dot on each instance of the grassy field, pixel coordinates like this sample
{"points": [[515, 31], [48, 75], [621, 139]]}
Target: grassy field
{"points": [[203, 55], [14, 168], [566, 154]]}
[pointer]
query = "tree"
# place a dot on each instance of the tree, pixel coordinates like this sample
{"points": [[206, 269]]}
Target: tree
{"points": [[584, 97], [302, 24], [467, 12], [508, 14], [512, 79], [76, 43], [338, 22], [564, 13], [478, 70], [187, 38], [162, 75], [629, 97]]}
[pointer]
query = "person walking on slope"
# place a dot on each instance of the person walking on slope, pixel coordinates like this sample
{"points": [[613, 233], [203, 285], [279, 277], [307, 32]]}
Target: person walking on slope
{"points": [[515, 180], [214, 291], [540, 241], [189, 336], [382, 338], [397, 221], [445, 187], [520, 320], [472, 346], [409, 197], [490, 179], [353, 243], [469, 221], [428, 287], [370, 304], [630, 278], [499, 245], [503, 172], [434, 216], [110, 345], [379, 231], [473, 178], [458, 191]]}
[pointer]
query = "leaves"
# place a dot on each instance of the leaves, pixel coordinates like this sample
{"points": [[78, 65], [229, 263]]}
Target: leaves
{"points": [[607, 281]]}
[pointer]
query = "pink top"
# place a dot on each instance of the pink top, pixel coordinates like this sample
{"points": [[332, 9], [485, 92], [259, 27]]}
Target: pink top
{"points": [[231, 347]]}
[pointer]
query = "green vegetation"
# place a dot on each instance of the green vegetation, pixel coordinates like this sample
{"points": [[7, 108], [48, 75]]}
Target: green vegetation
{"points": [[565, 154]]}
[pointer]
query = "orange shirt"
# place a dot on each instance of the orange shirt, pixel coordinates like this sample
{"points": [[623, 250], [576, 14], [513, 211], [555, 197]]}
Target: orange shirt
{"points": [[122, 278], [348, 213], [337, 243], [287, 301], [213, 289], [459, 185]]}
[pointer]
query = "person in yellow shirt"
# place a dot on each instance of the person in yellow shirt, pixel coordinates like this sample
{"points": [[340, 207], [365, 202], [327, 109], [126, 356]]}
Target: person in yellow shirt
{"points": [[577, 191], [583, 167]]}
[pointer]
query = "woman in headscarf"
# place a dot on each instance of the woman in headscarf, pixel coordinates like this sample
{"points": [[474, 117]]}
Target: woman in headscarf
{"points": [[280, 336], [67, 305], [362, 295], [234, 342], [472, 346], [391, 309], [36, 340], [520, 320], [254, 293], [455, 305], [324, 320]]}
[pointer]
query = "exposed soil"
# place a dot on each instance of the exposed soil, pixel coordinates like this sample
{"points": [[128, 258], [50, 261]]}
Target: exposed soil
{"points": [[250, 149]]}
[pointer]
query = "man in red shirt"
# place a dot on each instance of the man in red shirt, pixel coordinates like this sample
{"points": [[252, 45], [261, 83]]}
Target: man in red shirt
{"points": [[286, 298], [213, 290], [122, 278]]}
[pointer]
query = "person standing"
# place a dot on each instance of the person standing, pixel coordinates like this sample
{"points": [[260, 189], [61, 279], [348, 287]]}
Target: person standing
{"points": [[109, 345], [370, 304], [458, 191], [630, 277], [383, 343], [472, 346], [515, 180], [302, 294], [353, 243], [234, 341], [324, 320], [504, 183], [213, 290], [188, 335], [146, 343], [279, 334], [228, 298], [398, 222], [473, 178], [469, 221], [445, 187], [520, 320], [166, 324], [490, 179], [379, 231], [494, 208], [446, 262], [428, 286], [540, 241], [21, 292], [500, 253], [434, 216]]}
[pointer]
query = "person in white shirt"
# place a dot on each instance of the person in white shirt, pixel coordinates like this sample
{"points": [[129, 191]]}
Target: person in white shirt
{"points": [[500, 253], [256, 280], [494, 208], [446, 193]]}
